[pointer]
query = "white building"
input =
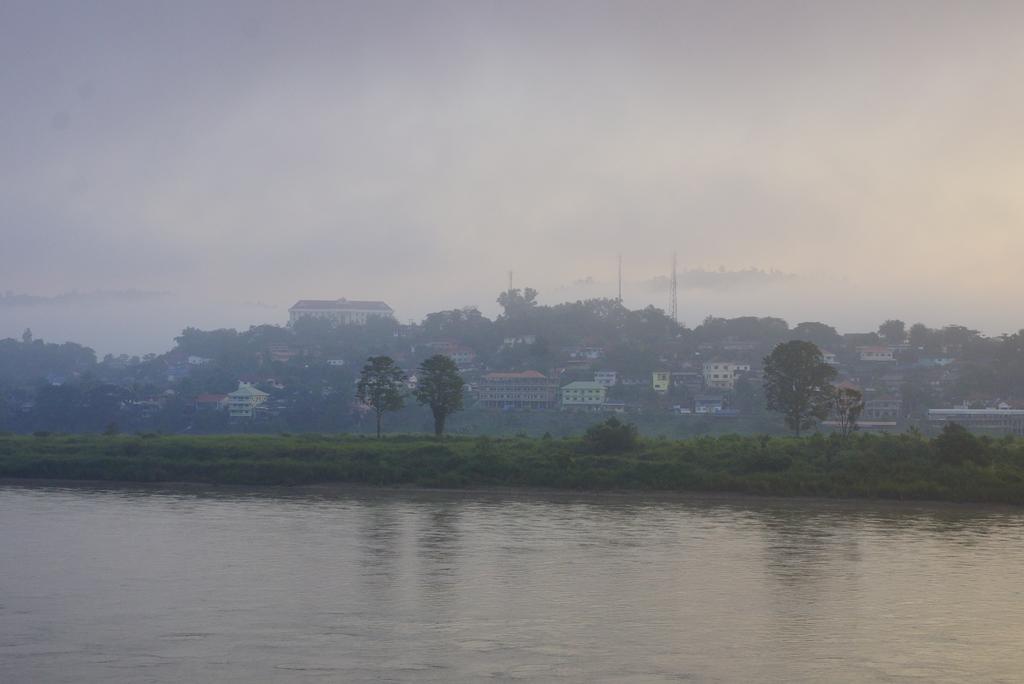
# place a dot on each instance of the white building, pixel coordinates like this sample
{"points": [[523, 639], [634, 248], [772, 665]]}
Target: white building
{"points": [[339, 311], [606, 378], [1000, 421], [242, 403], [723, 374], [875, 353]]}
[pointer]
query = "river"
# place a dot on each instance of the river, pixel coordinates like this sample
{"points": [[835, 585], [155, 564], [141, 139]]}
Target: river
{"points": [[129, 584]]}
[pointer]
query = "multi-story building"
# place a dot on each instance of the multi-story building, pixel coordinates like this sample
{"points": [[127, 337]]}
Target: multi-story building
{"points": [[882, 409], [585, 395], [339, 311], [723, 374], [243, 402], [1001, 421], [524, 390], [606, 378], [462, 356]]}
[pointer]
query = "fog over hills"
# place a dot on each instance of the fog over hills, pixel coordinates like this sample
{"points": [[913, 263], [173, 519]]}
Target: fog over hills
{"points": [[248, 151]]}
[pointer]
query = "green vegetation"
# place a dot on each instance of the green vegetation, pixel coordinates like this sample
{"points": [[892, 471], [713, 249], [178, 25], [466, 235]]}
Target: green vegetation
{"points": [[380, 386], [797, 384], [956, 466], [440, 387]]}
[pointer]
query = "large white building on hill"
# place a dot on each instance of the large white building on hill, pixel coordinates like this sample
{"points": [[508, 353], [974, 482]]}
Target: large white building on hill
{"points": [[339, 311]]}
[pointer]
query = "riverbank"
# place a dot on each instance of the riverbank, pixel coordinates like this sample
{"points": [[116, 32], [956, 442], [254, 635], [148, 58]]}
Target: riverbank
{"points": [[864, 466]]}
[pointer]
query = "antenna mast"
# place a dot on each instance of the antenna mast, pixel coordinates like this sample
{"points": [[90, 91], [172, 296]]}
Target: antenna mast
{"points": [[674, 291], [620, 278]]}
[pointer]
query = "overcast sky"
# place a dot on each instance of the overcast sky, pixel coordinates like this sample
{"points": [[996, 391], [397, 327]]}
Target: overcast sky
{"points": [[868, 157]]}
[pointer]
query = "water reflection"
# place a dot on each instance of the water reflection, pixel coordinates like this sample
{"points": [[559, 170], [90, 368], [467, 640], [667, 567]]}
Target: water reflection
{"points": [[120, 584]]}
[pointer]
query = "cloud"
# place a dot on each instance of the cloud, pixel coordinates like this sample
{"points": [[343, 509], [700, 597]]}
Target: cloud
{"points": [[249, 151], [721, 280]]}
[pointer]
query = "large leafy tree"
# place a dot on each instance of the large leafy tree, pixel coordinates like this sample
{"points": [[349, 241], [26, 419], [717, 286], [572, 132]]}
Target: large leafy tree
{"points": [[517, 303], [893, 331], [797, 383], [381, 386], [439, 386]]}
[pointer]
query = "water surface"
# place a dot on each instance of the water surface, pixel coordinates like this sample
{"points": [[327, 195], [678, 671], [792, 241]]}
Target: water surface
{"points": [[164, 585]]}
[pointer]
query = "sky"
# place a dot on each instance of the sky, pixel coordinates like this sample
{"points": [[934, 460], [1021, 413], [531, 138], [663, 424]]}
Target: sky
{"points": [[845, 162]]}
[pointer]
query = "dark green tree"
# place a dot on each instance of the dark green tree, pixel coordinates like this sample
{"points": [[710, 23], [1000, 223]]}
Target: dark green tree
{"points": [[439, 386], [381, 386], [797, 383], [955, 445], [517, 302], [893, 331], [611, 436]]}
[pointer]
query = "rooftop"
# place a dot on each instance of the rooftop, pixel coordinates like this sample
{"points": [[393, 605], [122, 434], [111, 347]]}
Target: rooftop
{"points": [[339, 305], [530, 374], [584, 385]]}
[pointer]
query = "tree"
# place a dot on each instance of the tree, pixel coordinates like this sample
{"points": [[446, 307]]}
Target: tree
{"points": [[955, 444], [893, 331], [797, 384], [517, 302], [825, 336], [847, 404], [611, 436], [439, 386], [380, 386]]}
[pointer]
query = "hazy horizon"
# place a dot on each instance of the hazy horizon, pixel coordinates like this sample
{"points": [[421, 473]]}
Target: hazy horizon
{"points": [[243, 155]]}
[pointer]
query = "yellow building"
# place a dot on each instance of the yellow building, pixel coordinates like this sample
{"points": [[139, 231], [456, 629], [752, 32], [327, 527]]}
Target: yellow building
{"points": [[661, 381]]}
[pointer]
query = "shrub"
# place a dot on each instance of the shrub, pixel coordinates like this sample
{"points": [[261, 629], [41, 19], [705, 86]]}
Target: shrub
{"points": [[956, 444], [611, 436]]}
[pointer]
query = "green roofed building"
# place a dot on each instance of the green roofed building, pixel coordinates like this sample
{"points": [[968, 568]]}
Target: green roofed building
{"points": [[585, 395]]}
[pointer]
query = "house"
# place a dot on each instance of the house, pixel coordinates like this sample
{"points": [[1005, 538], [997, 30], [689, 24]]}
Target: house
{"points": [[829, 357], [198, 360], [708, 403], [441, 346], [735, 344], [691, 380], [462, 356], [875, 354], [243, 402], [606, 378], [584, 353], [281, 352], [581, 394], [211, 402], [177, 371], [661, 380], [337, 363], [339, 311], [523, 390], [931, 362], [519, 341], [723, 374]]}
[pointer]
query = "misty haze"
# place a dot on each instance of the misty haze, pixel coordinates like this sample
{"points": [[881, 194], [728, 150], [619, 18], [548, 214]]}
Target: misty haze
{"points": [[558, 340]]}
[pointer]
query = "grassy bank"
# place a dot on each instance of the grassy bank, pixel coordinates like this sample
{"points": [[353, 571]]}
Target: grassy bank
{"points": [[895, 466]]}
